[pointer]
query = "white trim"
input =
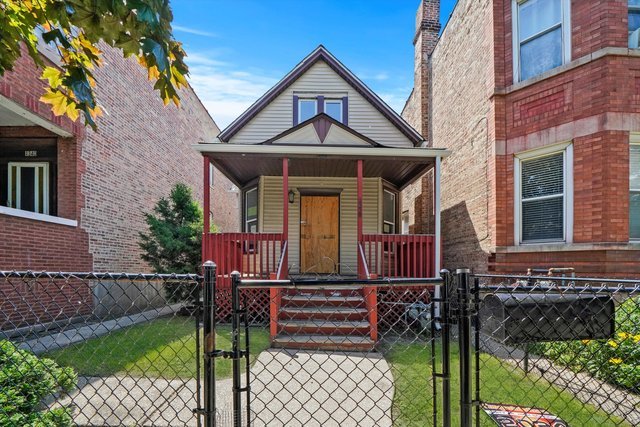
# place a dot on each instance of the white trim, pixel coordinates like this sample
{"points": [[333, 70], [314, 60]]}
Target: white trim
{"points": [[393, 224], [334, 101], [37, 216], [315, 106], [244, 210], [32, 117], [566, 148], [515, 35], [320, 150], [37, 167]]}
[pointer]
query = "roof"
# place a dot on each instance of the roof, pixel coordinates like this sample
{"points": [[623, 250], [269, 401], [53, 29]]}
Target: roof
{"points": [[322, 54]]}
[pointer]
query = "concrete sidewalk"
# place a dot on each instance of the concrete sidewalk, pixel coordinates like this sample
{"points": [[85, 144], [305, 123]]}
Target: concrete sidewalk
{"points": [[305, 388]]}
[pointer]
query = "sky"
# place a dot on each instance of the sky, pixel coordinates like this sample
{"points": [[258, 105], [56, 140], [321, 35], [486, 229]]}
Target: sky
{"points": [[238, 49]]}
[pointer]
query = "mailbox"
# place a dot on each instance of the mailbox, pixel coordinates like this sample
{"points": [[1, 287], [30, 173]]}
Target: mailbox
{"points": [[529, 317]]}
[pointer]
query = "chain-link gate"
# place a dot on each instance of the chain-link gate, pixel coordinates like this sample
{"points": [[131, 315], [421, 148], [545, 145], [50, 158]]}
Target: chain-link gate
{"points": [[492, 350]]}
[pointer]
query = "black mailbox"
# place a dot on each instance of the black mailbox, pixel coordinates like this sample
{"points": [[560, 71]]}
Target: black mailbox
{"points": [[529, 317]]}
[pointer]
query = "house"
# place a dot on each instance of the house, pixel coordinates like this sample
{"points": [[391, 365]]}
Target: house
{"points": [[324, 152], [72, 199], [539, 103]]}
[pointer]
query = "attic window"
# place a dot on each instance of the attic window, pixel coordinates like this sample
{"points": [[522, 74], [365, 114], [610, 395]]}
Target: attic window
{"points": [[333, 108], [307, 108]]}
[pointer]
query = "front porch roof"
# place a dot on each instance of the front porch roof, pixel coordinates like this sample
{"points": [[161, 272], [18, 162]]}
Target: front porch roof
{"points": [[242, 163]]}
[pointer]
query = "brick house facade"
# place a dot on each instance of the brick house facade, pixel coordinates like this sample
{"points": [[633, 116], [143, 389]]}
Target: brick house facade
{"points": [[545, 153], [96, 185]]}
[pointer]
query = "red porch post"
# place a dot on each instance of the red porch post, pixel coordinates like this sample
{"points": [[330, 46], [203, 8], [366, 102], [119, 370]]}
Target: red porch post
{"points": [[359, 173], [285, 209], [207, 211]]}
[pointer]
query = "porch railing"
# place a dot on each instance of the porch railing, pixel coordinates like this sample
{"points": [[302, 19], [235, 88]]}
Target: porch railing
{"points": [[254, 255], [399, 255]]}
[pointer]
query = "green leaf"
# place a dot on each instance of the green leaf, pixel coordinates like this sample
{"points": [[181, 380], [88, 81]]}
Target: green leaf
{"points": [[154, 48], [56, 34]]}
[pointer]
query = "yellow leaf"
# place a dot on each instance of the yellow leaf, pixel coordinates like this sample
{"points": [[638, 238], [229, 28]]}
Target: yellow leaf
{"points": [[72, 111], [53, 76], [153, 73], [57, 100]]}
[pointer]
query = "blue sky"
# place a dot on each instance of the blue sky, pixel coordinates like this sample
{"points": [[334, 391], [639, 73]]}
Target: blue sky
{"points": [[237, 49]]}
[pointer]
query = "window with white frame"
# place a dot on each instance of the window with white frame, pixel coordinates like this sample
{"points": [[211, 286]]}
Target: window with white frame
{"points": [[634, 24], [405, 222], [250, 212], [307, 108], [333, 108], [389, 208], [541, 36], [544, 195], [28, 186], [634, 185]]}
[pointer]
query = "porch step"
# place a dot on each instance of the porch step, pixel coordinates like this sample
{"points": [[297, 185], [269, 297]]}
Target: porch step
{"points": [[315, 300], [324, 327], [323, 342], [323, 313]]}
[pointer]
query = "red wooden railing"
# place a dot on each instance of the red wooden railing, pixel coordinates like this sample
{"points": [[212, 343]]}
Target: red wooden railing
{"points": [[254, 255], [275, 294], [399, 255]]}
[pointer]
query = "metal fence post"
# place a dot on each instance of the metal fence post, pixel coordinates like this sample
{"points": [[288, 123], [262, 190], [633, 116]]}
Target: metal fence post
{"points": [[235, 348], [209, 327], [464, 339], [446, 350]]}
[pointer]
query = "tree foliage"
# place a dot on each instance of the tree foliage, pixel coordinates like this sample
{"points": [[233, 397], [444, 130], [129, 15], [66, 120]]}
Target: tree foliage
{"points": [[140, 28], [174, 240], [25, 380]]}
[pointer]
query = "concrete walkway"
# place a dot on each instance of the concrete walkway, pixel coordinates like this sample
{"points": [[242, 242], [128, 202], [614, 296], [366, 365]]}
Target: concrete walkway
{"points": [[298, 388], [303, 388]]}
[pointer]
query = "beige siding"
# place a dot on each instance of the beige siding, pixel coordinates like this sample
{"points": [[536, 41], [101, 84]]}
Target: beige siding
{"points": [[271, 213], [320, 79]]}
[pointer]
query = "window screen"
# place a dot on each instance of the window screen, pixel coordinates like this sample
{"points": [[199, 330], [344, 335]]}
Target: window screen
{"points": [[634, 184], [542, 198]]}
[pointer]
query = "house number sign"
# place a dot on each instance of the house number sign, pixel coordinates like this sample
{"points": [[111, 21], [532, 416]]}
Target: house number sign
{"points": [[31, 153]]}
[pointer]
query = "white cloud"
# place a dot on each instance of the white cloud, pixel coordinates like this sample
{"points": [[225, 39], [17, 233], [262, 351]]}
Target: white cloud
{"points": [[225, 92], [395, 99], [195, 31]]}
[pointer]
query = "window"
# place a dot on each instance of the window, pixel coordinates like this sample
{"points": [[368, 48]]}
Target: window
{"points": [[544, 196], [307, 108], [389, 212], [211, 174], [634, 24], [541, 36], [28, 187], [251, 210], [634, 184], [405, 222], [333, 108]]}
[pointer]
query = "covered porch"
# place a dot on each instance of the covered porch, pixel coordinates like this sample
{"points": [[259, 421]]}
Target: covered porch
{"points": [[336, 201]]}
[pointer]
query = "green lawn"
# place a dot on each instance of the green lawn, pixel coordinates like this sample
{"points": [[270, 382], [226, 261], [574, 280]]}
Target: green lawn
{"points": [[160, 348], [500, 383]]}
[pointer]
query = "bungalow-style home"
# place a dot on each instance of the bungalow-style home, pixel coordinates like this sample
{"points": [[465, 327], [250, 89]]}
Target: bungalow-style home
{"points": [[323, 151], [72, 199]]}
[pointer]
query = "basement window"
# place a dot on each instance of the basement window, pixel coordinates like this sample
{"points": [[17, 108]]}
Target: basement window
{"points": [[541, 36], [544, 196]]}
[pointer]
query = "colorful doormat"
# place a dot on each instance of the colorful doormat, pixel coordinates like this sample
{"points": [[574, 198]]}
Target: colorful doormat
{"points": [[520, 416]]}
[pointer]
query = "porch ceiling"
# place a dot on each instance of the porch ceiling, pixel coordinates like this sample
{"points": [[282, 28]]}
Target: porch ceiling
{"points": [[398, 166]]}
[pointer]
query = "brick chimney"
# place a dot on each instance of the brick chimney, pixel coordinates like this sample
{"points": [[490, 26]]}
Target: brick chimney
{"points": [[424, 42]]}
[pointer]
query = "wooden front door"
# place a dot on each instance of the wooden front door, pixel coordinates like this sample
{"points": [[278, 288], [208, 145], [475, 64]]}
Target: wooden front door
{"points": [[319, 234]]}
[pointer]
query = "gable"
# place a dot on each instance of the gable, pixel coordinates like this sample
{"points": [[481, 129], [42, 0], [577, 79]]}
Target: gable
{"points": [[321, 129], [321, 79]]}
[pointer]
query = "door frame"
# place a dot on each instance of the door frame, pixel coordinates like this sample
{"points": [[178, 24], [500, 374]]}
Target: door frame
{"points": [[322, 192]]}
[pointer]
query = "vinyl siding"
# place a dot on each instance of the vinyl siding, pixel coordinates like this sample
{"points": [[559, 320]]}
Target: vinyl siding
{"points": [[271, 213], [320, 79]]}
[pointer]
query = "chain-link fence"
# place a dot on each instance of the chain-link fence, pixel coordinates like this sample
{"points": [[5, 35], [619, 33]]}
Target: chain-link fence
{"points": [[552, 351], [98, 349]]}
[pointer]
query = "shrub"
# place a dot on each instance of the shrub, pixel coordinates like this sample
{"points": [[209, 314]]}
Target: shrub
{"points": [[25, 380], [616, 360]]}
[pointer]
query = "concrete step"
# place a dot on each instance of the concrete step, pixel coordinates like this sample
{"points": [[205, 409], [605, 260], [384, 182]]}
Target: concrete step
{"points": [[324, 327], [323, 342], [315, 300], [335, 314]]}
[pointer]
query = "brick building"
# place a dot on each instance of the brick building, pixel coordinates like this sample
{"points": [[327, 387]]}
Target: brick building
{"points": [[539, 101], [72, 199]]}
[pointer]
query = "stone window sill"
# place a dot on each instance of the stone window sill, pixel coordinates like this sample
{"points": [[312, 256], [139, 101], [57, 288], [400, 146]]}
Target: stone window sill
{"points": [[37, 216]]}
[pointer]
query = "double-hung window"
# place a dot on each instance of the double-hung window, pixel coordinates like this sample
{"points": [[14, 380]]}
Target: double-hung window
{"points": [[389, 209], [28, 186], [634, 24], [634, 186], [250, 211], [544, 196], [541, 36]]}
